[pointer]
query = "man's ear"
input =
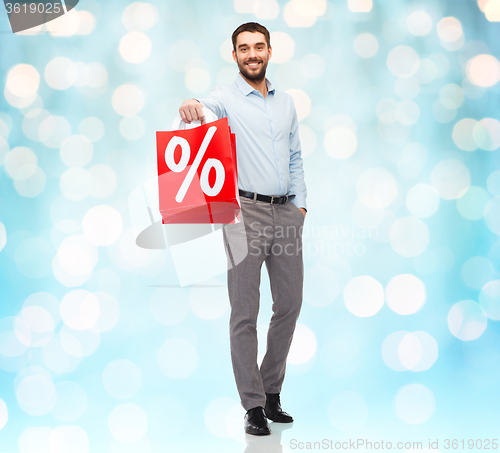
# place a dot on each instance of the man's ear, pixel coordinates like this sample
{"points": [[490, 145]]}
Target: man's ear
{"points": [[234, 57], [270, 52]]}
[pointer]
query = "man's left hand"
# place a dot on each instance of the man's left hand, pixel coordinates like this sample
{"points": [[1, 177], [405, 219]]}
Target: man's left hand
{"points": [[303, 211]]}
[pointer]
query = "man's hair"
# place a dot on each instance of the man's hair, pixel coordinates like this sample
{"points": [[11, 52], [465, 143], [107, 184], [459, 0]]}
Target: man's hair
{"points": [[252, 27]]}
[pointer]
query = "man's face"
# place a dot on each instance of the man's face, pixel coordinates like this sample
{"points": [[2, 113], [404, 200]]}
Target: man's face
{"points": [[252, 55]]}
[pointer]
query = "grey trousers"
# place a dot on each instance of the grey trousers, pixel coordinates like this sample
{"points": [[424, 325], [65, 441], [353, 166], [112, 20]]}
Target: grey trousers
{"points": [[271, 234]]}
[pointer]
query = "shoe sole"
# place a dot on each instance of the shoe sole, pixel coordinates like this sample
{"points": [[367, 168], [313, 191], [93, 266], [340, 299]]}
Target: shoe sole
{"points": [[278, 421], [258, 433]]}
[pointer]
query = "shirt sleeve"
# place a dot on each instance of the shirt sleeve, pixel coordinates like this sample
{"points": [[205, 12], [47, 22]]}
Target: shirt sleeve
{"points": [[297, 183], [214, 103]]}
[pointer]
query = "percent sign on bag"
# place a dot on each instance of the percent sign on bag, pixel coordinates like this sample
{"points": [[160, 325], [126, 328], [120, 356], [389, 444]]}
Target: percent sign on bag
{"points": [[197, 174], [183, 162]]}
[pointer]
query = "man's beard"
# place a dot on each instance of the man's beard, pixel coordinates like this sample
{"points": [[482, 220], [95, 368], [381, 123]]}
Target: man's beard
{"points": [[254, 76]]}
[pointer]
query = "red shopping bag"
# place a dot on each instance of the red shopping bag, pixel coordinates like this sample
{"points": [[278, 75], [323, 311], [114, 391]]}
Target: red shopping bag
{"points": [[197, 174]]}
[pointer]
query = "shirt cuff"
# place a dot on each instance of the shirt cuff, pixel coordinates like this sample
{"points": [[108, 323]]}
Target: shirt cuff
{"points": [[300, 201]]}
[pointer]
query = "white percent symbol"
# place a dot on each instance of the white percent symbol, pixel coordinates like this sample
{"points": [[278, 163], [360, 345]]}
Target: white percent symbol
{"points": [[177, 167]]}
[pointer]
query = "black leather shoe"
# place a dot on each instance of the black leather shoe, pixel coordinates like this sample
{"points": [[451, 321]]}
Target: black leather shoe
{"points": [[256, 422], [273, 409]]}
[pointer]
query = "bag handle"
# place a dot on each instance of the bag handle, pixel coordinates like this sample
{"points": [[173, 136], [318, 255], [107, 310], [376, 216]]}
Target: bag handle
{"points": [[179, 123]]}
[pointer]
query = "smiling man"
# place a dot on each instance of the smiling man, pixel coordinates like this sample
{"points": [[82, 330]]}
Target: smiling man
{"points": [[273, 207]]}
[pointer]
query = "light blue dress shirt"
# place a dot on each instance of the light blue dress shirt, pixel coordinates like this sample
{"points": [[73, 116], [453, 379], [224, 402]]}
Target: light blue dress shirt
{"points": [[267, 138]]}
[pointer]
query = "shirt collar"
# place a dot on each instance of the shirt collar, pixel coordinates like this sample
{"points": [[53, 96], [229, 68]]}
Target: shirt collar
{"points": [[246, 88]]}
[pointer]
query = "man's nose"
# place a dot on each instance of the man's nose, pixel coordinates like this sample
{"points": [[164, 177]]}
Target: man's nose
{"points": [[252, 53]]}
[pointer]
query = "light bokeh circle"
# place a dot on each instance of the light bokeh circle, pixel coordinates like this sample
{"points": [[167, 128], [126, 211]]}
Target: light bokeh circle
{"points": [[21, 163], [23, 80], [76, 151], [489, 299], [422, 200], [56, 358], [312, 66], [128, 100], [71, 401], [473, 203], [122, 378], [467, 320], [304, 345], [135, 47], [32, 186], [92, 128], [61, 73], [80, 309], [209, 303], [220, 416], [4, 414], [363, 296], [477, 271], [132, 127], [302, 102], [376, 188], [419, 23], [283, 47], [405, 294], [409, 236], [140, 16], [36, 394], [76, 183], [177, 358], [366, 45], [109, 311], [340, 142], [492, 215], [3, 236], [451, 178], [104, 181], [80, 343], [483, 70], [403, 61], [321, 286], [102, 225]]}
